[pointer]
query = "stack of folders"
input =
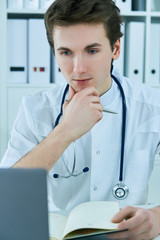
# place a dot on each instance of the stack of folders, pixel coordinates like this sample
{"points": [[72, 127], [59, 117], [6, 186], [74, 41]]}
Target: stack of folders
{"points": [[28, 51], [29, 54], [29, 4], [135, 52]]}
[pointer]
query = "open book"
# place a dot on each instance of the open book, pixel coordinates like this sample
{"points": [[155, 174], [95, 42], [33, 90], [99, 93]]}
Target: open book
{"points": [[86, 219]]}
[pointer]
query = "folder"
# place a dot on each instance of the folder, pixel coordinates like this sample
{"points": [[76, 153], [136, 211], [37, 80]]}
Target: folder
{"points": [[31, 4], [15, 4], [57, 75], [124, 5], [17, 50], [119, 63], [39, 52], [44, 4], [155, 5], [134, 58], [154, 65], [139, 5]]}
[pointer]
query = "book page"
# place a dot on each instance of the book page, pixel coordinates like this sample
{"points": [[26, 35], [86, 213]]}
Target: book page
{"points": [[56, 226], [92, 215]]}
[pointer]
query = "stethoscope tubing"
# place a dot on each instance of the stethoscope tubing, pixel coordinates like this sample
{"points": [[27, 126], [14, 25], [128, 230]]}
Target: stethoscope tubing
{"points": [[123, 127], [62, 102], [123, 120]]}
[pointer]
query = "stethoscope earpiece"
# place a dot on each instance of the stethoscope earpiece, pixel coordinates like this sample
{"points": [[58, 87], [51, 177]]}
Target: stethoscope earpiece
{"points": [[86, 169]]}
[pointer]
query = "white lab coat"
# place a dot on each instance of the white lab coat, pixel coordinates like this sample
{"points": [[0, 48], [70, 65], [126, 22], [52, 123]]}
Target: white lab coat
{"points": [[99, 149]]}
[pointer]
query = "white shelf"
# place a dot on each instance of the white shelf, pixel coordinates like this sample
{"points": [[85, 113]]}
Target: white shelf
{"points": [[135, 14], [155, 14], [27, 85], [26, 11]]}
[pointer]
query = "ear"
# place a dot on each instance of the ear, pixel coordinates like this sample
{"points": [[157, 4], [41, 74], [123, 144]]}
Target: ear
{"points": [[116, 49]]}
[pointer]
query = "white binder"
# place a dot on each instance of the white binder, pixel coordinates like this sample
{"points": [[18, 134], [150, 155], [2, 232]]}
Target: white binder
{"points": [[119, 63], [134, 61], [155, 5], [31, 4], [15, 4], [124, 5], [154, 66], [17, 50], [39, 52], [56, 73], [44, 4]]}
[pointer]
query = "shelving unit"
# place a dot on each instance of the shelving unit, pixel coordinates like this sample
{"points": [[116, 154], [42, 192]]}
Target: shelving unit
{"points": [[11, 94]]}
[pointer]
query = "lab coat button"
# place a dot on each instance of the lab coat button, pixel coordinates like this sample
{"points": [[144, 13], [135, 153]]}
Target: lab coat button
{"points": [[98, 152], [95, 188]]}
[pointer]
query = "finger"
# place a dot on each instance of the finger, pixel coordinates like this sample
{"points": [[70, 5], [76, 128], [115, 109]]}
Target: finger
{"points": [[95, 99], [70, 96], [134, 222], [98, 107], [125, 213], [71, 93], [90, 91]]}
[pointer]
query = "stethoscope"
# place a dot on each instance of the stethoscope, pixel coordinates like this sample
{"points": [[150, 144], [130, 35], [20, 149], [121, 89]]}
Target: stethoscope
{"points": [[120, 191]]}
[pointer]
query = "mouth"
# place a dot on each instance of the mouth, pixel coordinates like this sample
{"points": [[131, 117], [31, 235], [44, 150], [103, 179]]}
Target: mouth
{"points": [[82, 81]]}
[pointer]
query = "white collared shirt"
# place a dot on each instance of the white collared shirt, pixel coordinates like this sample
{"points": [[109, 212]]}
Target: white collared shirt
{"points": [[99, 149]]}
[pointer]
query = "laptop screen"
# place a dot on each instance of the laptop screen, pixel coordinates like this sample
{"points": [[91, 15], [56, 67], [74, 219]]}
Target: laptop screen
{"points": [[23, 204]]}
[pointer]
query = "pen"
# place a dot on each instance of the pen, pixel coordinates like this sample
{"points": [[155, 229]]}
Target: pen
{"points": [[108, 111], [104, 110]]}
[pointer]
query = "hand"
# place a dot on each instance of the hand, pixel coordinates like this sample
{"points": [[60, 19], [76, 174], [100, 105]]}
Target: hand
{"points": [[141, 223], [82, 112]]}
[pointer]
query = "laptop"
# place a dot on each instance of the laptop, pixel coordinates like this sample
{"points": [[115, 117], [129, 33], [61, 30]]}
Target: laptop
{"points": [[23, 204]]}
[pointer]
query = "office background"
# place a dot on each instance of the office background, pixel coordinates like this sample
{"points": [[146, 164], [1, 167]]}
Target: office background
{"points": [[27, 64]]}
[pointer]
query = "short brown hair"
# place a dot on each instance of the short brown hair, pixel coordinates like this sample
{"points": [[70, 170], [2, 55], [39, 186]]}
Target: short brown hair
{"points": [[70, 12]]}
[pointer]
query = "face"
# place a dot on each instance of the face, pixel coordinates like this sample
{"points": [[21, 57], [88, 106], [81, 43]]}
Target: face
{"points": [[84, 55]]}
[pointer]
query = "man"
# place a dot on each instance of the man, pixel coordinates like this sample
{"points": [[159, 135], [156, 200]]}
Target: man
{"points": [[85, 37]]}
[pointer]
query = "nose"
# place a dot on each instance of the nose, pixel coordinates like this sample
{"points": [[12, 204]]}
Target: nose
{"points": [[80, 65]]}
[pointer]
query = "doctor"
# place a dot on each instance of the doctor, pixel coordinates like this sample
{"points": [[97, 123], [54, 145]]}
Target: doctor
{"points": [[81, 150]]}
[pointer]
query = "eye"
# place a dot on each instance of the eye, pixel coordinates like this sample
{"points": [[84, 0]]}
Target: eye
{"points": [[66, 53], [92, 51]]}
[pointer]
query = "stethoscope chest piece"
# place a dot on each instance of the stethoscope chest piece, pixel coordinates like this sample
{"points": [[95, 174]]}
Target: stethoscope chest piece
{"points": [[120, 191]]}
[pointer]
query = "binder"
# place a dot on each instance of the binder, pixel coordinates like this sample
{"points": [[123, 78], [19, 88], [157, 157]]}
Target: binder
{"points": [[17, 50], [134, 59], [155, 5], [15, 4], [31, 4], [39, 52], [119, 63], [56, 73], [139, 5], [44, 4], [124, 5], [154, 65]]}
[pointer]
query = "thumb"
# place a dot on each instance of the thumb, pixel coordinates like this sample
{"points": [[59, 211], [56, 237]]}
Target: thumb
{"points": [[126, 212]]}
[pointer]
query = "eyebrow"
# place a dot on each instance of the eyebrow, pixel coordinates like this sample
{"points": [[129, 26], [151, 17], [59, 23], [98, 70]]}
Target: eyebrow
{"points": [[87, 47], [93, 45]]}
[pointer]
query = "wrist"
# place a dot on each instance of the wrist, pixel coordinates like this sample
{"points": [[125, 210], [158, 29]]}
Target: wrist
{"points": [[64, 132], [156, 213]]}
